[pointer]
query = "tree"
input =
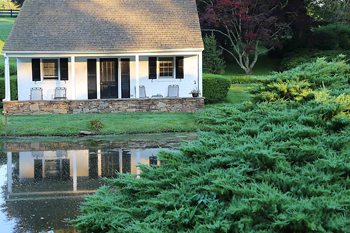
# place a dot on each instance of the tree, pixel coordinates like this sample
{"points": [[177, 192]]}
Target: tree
{"points": [[330, 11], [18, 2], [212, 57], [251, 27], [7, 5]]}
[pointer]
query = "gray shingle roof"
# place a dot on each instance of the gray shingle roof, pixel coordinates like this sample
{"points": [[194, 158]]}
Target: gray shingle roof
{"points": [[105, 26]]}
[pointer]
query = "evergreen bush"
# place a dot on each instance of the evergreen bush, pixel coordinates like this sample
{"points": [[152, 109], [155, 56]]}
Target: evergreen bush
{"points": [[280, 165], [212, 56], [215, 89], [332, 36]]}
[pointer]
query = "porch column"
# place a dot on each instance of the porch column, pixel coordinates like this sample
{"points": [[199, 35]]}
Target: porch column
{"points": [[99, 156], [138, 162], [75, 173], [7, 80], [121, 161], [74, 78], [137, 74], [98, 78], [9, 172], [200, 74]]}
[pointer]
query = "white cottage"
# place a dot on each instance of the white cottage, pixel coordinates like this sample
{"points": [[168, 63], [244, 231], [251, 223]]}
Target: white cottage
{"points": [[105, 56]]}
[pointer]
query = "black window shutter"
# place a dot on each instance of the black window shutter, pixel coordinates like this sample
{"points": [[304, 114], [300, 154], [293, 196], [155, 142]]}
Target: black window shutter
{"points": [[92, 78], [36, 75], [180, 67], [64, 69], [152, 67]]}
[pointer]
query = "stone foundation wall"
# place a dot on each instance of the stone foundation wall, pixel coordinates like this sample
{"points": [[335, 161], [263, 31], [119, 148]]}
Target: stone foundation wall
{"points": [[103, 106]]}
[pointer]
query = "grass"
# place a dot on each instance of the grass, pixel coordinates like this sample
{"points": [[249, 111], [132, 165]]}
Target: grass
{"points": [[243, 83], [239, 93], [5, 27], [114, 123]]}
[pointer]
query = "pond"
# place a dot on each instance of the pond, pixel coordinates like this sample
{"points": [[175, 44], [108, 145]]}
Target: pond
{"points": [[43, 181]]}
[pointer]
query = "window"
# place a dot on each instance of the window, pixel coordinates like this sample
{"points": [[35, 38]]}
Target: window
{"points": [[50, 68], [166, 67]]}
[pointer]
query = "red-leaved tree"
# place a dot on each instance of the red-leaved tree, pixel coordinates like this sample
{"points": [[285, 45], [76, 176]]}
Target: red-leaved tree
{"points": [[251, 27]]}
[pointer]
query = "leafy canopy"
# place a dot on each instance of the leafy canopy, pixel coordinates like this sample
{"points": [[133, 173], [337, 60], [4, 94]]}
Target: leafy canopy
{"points": [[250, 27]]}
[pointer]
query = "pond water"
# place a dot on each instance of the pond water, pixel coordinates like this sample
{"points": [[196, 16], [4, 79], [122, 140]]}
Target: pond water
{"points": [[44, 181]]}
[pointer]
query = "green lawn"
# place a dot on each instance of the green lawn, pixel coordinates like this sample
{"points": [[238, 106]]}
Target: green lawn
{"points": [[114, 123], [239, 93], [5, 27]]}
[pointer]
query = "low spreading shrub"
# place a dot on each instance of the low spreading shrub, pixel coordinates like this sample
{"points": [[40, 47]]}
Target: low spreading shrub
{"points": [[280, 165], [215, 89], [300, 83], [300, 57]]}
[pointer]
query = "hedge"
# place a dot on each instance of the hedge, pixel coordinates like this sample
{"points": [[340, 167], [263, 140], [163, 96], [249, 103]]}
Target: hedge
{"points": [[215, 89], [13, 67], [14, 93], [332, 36]]}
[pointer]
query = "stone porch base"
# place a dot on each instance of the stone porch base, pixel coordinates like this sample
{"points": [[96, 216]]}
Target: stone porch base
{"points": [[103, 106]]}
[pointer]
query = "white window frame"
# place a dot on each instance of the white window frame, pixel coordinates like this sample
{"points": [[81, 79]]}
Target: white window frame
{"points": [[158, 68], [58, 69]]}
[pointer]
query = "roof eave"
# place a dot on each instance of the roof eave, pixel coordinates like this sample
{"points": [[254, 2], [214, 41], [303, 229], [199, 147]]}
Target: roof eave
{"points": [[91, 53]]}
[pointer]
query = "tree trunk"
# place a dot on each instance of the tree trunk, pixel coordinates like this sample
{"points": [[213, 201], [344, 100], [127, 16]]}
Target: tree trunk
{"points": [[248, 70]]}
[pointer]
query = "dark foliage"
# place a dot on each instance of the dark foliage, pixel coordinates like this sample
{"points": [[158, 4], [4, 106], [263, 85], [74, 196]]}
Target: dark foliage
{"points": [[250, 28], [332, 37], [18, 2]]}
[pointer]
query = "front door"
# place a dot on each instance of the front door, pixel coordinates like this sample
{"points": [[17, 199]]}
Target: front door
{"points": [[109, 78]]}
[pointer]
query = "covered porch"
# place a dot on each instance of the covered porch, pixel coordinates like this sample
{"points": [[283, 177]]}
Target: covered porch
{"points": [[124, 82]]}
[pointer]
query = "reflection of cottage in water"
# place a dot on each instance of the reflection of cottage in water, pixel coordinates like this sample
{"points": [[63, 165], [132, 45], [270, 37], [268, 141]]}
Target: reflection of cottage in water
{"points": [[64, 172], [45, 181]]}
